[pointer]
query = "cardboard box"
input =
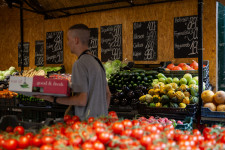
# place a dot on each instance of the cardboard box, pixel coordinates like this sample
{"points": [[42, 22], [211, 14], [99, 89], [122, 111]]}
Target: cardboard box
{"points": [[23, 84]]}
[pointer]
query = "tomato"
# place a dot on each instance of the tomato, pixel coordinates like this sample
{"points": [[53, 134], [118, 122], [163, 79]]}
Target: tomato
{"points": [[70, 122], [169, 127], [36, 141], [114, 142], [113, 114], [127, 123], [222, 139], [75, 141], [18, 130], [75, 118], [179, 137], [154, 147], [91, 119], [196, 132], [104, 137], [57, 145], [10, 144], [76, 125], [193, 138], [184, 147], [151, 128], [98, 124], [126, 132], [210, 136], [135, 122], [171, 143], [47, 139], [98, 145], [117, 127], [99, 130], [45, 131], [125, 143], [137, 133], [66, 118], [23, 142], [46, 147], [145, 140], [159, 126], [2, 142], [9, 129], [87, 146], [29, 135], [154, 136]]}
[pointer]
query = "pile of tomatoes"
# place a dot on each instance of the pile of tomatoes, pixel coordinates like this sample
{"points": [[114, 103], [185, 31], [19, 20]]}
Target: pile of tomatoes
{"points": [[111, 133]]}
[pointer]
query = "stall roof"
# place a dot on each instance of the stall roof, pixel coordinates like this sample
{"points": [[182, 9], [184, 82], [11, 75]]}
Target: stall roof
{"points": [[57, 9]]}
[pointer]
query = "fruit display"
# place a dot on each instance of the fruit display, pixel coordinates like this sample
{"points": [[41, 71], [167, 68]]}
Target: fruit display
{"points": [[110, 133], [164, 121], [183, 66], [7, 94], [4, 75], [214, 101], [61, 76]]}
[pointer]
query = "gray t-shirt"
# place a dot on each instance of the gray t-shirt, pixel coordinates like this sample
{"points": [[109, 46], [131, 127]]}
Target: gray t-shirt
{"points": [[88, 76]]}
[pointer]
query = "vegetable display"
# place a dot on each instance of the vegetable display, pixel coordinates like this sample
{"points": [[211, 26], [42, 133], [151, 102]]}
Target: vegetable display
{"points": [[110, 133]]}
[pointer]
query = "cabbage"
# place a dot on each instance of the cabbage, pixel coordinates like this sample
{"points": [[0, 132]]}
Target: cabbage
{"points": [[2, 78], [7, 73], [107, 65], [12, 68], [116, 63]]}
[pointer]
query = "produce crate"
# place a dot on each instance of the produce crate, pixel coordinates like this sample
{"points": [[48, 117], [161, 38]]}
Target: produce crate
{"points": [[187, 124], [120, 108], [190, 110], [8, 102], [181, 73], [206, 112], [155, 67], [32, 101]]}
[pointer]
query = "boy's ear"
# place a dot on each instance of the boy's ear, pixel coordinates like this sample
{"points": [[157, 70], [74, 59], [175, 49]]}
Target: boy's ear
{"points": [[76, 40]]}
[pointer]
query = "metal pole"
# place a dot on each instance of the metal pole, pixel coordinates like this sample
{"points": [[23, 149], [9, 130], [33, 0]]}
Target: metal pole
{"points": [[21, 33], [200, 56]]}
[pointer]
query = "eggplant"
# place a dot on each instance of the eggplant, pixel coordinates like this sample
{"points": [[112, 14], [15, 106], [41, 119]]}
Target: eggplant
{"points": [[125, 89], [123, 102], [116, 101], [130, 94], [121, 95], [117, 94]]}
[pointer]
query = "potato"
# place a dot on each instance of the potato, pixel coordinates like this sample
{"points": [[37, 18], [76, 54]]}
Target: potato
{"points": [[221, 107], [211, 106]]}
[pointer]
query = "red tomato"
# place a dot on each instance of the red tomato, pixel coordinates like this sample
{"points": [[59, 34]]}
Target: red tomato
{"points": [[170, 66], [151, 128], [46, 147], [23, 142], [104, 137], [87, 146], [137, 133], [127, 123], [47, 139], [9, 129], [135, 122], [117, 127], [126, 132], [29, 135], [10, 144], [112, 114], [196, 132], [91, 119], [99, 130], [19, 130], [36, 141], [169, 127], [114, 142], [46, 131], [75, 118], [57, 145], [70, 122], [76, 125], [145, 140], [75, 141], [125, 143], [98, 145], [66, 118], [98, 124]]}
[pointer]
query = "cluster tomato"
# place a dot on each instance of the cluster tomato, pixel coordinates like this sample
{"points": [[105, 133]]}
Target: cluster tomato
{"points": [[109, 132]]}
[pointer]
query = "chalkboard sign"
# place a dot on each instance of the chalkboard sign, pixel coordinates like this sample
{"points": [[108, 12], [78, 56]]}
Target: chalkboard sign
{"points": [[93, 45], [221, 46], [186, 37], [54, 47], [39, 53], [145, 40], [111, 43], [25, 54]]}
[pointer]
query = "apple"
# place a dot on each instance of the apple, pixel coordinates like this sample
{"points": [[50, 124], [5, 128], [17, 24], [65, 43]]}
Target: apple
{"points": [[163, 80], [188, 77], [169, 80], [183, 81], [176, 80], [196, 79], [191, 82]]}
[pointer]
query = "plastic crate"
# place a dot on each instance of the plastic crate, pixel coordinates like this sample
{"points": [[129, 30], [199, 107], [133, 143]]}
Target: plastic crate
{"points": [[181, 73], [187, 124], [31, 101], [190, 110], [8, 102], [206, 112], [120, 108]]}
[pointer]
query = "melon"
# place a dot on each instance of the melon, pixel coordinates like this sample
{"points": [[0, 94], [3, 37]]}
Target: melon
{"points": [[211, 106], [219, 97], [207, 96]]}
